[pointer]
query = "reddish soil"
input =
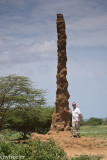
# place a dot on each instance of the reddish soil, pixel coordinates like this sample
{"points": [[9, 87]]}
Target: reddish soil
{"points": [[76, 146]]}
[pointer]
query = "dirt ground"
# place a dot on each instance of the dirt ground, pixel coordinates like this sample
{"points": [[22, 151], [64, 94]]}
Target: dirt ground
{"points": [[76, 146]]}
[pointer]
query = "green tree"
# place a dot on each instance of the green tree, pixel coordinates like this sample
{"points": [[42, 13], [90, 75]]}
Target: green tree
{"points": [[17, 91], [105, 121], [94, 121], [28, 120], [82, 121]]}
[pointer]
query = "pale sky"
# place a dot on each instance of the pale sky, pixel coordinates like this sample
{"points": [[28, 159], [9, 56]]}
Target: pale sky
{"points": [[28, 47]]}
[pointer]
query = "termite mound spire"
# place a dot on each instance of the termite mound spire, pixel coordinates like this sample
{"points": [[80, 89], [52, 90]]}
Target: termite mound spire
{"points": [[60, 118]]}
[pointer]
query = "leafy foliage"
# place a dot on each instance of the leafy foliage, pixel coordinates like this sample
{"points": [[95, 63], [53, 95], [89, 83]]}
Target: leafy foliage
{"points": [[37, 150], [82, 122], [27, 120], [105, 121], [94, 121], [17, 91]]}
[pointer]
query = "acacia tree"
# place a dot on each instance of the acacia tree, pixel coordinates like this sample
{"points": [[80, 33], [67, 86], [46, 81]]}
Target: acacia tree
{"points": [[28, 120], [18, 91]]}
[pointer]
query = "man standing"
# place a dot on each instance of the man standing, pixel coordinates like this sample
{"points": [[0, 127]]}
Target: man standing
{"points": [[75, 120]]}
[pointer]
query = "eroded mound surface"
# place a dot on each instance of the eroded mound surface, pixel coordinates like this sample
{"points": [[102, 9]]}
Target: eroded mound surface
{"points": [[60, 119]]}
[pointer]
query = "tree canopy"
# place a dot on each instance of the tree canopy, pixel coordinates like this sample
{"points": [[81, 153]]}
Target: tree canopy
{"points": [[18, 91], [28, 120]]}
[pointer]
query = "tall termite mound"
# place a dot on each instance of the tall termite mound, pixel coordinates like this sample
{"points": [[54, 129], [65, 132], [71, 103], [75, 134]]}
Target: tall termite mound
{"points": [[60, 118]]}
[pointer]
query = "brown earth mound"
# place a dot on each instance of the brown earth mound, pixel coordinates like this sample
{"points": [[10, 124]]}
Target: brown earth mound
{"points": [[60, 119], [75, 146]]}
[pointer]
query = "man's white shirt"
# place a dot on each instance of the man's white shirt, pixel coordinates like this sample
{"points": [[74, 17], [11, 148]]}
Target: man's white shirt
{"points": [[75, 114]]}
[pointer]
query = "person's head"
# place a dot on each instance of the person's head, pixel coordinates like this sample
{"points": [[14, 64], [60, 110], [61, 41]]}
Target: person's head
{"points": [[74, 105]]}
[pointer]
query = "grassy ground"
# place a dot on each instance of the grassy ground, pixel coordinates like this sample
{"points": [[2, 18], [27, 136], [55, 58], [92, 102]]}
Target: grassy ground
{"points": [[9, 135], [87, 157], [94, 131]]}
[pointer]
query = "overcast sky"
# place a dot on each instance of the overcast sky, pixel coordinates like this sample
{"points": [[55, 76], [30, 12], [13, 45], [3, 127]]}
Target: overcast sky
{"points": [[28, 46]]}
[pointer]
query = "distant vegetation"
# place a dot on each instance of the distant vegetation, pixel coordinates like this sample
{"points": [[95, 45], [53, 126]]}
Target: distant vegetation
{"points": [[92, 121]]}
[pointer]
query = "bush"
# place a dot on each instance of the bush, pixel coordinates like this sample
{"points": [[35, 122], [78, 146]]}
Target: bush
{"points": [[105, 121], [37, 150], [5, 148], [44, 120], [82, 121], [94, 121], [27, 120]]}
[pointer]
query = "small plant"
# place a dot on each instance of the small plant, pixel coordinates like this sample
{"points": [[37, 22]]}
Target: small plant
{"points": [[5, 148], [47, 150]]}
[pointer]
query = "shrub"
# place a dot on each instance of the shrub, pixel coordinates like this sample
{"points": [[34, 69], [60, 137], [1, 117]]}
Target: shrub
{"points": [[37, 150], [27, 120], [105, 121], [94, 121]]}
